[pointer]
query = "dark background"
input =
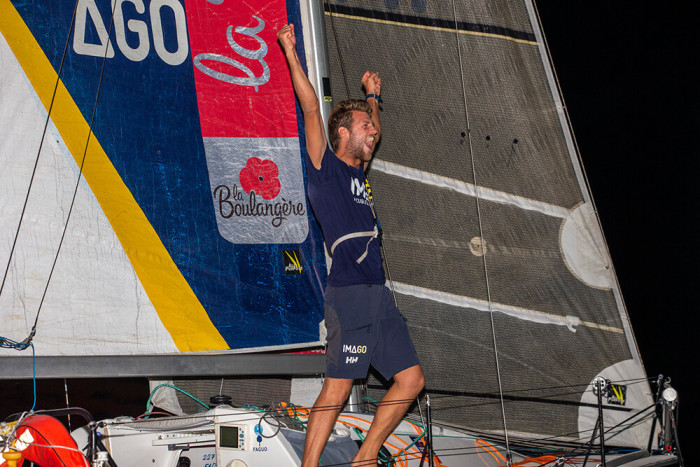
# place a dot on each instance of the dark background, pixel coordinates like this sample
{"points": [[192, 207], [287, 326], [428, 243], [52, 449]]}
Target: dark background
{"points": [[627, 76]]}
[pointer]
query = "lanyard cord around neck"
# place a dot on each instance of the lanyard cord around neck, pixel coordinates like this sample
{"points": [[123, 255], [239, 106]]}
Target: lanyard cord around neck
{"points": [[378, 226]]}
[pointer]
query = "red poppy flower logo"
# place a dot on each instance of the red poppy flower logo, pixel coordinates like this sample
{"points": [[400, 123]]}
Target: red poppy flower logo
{"points": [[260, 176]]}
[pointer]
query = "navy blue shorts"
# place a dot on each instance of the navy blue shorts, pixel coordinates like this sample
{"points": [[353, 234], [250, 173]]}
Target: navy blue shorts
{"points": [[365, 327]]}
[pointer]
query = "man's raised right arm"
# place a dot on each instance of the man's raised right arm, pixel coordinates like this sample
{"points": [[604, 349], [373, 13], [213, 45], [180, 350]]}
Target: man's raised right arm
{"points": [[310, 106]]}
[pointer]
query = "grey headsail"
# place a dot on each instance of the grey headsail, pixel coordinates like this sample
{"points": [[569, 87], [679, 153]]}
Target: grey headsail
{"points": [[492, 240]]}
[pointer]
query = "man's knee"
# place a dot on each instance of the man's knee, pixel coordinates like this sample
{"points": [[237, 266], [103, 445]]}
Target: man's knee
{"points": [[418, 383], [411, 379], [336, 391]]}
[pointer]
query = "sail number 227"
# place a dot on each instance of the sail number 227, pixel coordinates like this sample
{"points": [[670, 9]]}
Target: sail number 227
{"points": [[135, 50]]}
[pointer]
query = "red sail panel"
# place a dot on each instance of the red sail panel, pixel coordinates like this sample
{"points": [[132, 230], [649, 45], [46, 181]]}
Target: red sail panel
{"points": [[242, 81]]}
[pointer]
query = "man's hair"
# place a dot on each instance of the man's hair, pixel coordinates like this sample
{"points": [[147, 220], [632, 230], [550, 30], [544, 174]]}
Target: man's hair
{"points": [[341, 116]]}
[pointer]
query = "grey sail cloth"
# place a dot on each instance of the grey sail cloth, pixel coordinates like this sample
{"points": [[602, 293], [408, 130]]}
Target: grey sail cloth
{"points": [[486, 215]]}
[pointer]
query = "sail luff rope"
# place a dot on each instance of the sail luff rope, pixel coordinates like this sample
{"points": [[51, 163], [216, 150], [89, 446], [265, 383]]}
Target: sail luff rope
{"points": [[481, 235], [82, 164], [574, 141], [41, 145], [565, 109]]}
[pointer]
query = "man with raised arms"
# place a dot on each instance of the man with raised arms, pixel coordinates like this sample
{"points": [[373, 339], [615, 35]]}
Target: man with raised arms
{"points": [[364, 325]]}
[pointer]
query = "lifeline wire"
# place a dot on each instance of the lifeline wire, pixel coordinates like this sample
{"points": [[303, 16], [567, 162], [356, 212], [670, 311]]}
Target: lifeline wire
{"points": [[275, 413], [481, 235]]}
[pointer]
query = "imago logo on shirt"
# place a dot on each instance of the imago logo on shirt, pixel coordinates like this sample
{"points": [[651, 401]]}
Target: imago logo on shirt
{"points": [[292, 262]]}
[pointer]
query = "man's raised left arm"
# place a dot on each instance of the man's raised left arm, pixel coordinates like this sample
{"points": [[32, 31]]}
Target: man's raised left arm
{"points": [[373, 86]]}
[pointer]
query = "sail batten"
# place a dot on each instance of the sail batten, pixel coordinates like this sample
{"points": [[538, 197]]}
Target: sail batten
{"points": [[433, 24], [482, 305], [468, 189]]}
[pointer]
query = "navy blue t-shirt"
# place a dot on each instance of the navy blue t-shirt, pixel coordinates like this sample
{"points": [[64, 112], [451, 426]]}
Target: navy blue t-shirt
{"points": [[339, 198]]}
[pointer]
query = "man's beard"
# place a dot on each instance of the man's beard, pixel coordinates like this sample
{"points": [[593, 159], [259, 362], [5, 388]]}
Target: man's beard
{"points": [[355, 148]]}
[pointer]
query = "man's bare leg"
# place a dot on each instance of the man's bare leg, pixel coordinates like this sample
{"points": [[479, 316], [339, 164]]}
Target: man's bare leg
{"points": [[323, 416], [407, 385]]}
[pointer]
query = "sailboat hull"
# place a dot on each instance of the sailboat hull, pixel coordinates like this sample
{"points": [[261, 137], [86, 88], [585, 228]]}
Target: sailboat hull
{"points": [[227, 436]]}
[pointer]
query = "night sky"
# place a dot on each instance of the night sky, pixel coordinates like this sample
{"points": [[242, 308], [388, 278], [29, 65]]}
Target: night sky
{"points": [[626, 75]]}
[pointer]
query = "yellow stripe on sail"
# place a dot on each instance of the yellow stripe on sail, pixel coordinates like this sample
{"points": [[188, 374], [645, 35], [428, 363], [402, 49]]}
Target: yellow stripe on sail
{"points": [[176, 304]]}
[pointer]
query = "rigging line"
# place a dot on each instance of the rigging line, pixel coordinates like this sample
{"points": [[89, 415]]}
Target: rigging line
{"points": [[41, 145], [443, 394], [481, 234], [627, 422], [554, 399], [384, 256], [553, 402], [80, 172], [610, 430], [337, 48], [347, 94], [572, 446]]}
